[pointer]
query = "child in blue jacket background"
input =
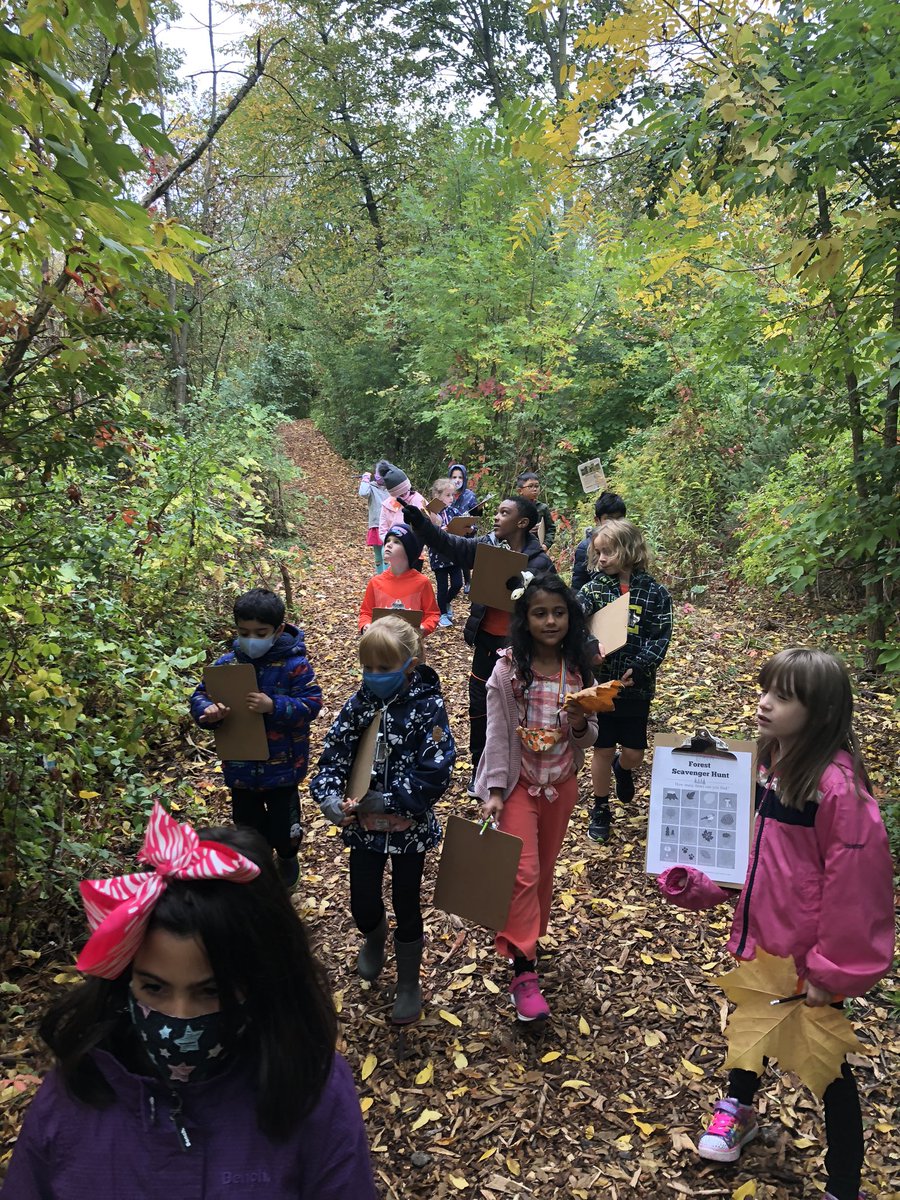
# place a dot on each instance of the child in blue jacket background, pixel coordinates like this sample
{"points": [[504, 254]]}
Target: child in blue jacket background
{"points": [[264, 794]]}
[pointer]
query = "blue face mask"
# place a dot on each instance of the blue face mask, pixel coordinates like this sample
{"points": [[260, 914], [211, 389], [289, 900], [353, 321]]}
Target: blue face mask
{"points": [[256, 647], [386, 683]]}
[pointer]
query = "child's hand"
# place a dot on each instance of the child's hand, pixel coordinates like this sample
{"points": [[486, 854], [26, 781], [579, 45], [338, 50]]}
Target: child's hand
{"points": [[817, 997], [599, 656], [573, 709], [435, 520], [213, 713], [493, 807], [259, 702], [627, 679]]}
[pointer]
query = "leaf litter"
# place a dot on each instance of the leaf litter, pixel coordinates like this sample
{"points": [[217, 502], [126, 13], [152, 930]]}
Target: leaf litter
{"points": [[610, 1098]]}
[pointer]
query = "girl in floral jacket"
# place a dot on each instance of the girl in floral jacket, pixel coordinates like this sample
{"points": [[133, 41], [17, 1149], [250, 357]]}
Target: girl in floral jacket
{"points": [[414, 757]]}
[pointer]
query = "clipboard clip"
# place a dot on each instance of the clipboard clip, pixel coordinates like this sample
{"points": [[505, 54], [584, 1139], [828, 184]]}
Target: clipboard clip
{"points": [[704, 742]]}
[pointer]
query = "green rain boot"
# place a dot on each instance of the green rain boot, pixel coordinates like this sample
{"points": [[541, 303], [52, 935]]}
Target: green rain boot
{"points": [[408, 1000], [371, 953]]}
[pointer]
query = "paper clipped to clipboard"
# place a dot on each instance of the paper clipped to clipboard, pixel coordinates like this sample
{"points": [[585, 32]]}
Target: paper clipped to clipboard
{"points": [[241, 737], [609, 625], [701, 805], [412, 616], [360, 778], [495, 574], [477, 873]]}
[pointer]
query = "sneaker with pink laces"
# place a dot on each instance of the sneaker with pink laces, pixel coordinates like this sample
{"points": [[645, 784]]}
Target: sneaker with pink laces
{"points": [[526, 996], [732, 1127]]}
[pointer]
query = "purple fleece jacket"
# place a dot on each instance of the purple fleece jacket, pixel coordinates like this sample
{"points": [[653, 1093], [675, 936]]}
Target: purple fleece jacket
{"points": [[70, 1151]]}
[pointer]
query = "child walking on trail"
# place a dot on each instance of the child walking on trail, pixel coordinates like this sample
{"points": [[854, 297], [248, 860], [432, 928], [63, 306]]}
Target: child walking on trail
{"points": [[414, 757], [620, 560], [466, 502], [372, 487], [402, 585], [199, 1051], [529, 486], [264, 794], [819, 885], [448, 575], [528, 774], [607, 507], [400, 491]]}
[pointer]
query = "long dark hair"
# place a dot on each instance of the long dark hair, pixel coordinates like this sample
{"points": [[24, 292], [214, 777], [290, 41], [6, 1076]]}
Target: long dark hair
{"points": [[574, 644], [822, 685], [266, 976]]}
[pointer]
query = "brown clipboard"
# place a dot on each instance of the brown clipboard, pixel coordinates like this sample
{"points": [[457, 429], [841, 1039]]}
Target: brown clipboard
{"points": [[360, 778], [461, 525], [495, 574], [477, 873], [540, 530], [610, 624], [412, 616], [241, 737], [435, 506]]}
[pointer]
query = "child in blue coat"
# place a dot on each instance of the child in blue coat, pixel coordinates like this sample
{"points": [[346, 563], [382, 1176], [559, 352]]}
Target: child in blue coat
{"points": [[264, 794]]}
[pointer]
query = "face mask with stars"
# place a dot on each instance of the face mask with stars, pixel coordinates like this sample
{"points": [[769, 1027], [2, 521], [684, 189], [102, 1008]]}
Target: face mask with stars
{"points": [[182, 1049]]}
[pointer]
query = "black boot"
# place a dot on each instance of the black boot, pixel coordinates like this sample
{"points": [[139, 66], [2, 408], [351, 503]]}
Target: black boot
{"points": [[624, 781], [408, 1001], [371, 953], [601, 819]]}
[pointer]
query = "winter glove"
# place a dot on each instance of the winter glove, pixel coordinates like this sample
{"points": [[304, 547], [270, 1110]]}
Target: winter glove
{"points": [[415, 518], [331, 808], [686, 887], [372, 802]]}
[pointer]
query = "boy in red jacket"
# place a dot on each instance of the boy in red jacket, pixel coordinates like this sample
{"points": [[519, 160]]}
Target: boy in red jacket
{"points": [[402, 585]]}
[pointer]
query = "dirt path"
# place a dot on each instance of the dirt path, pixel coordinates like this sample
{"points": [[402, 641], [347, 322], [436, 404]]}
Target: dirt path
{"points": [[606, 1101]]}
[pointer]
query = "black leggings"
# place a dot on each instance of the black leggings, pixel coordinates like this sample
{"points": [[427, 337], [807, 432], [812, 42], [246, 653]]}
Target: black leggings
{"points": [[449, 582], [366, 904], [274, 812], [843, 1128], [483, 661]]}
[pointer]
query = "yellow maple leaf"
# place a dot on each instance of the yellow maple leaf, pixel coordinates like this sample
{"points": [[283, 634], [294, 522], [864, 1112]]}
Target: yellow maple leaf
{"points": [[371, 1062], [811, 1042]]}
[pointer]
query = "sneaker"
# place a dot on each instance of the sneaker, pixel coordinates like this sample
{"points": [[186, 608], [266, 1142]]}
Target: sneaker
{"points": [[445, 621], [289, 871], [624, 782], [601, 819], [733, 1125], [450, 611], [466, 590], [526, 996], [470, 787]]}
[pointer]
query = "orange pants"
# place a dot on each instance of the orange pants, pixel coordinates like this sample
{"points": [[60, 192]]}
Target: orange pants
{"points": [[542, 825]]}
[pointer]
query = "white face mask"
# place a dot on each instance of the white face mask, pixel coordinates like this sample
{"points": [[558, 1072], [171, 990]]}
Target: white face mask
{"points": [[457, 483], [256, 647]]}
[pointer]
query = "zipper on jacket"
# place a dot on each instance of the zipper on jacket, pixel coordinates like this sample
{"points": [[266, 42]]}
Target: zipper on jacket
{"points": [[152, 1110], [177, 1106], [748, 891]]}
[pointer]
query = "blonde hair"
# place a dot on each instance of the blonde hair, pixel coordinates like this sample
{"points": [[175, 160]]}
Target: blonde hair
{"points": [[822, 685], [441, 485], [627, 540], [390, 636]]}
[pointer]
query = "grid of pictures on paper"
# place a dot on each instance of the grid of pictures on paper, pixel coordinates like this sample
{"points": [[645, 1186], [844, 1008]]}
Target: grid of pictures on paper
{"points": [[699, 828]]}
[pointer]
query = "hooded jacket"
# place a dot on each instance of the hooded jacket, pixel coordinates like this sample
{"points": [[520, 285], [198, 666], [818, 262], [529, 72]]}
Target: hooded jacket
{"points": [[69, 1150], [466, 500], [377, 494], [417, 768], [819, 886], [462, 551], [284, 674]]}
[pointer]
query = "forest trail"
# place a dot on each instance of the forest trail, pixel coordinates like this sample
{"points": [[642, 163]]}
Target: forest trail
{"points": [[609, 1099]]}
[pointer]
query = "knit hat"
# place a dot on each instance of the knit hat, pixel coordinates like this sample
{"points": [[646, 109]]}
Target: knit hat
{"points": [[409, 542], [395, 480]]}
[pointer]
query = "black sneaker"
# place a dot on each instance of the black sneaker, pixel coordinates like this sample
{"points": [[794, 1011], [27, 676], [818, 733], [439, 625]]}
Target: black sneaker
{"points": [[601, 819], [470, 787], [289, 871], [624, 782]]}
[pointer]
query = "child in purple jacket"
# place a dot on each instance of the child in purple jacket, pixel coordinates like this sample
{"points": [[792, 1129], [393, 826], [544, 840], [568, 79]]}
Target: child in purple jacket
{"points": [[198, 1056], [264, 794], [819, 886]]}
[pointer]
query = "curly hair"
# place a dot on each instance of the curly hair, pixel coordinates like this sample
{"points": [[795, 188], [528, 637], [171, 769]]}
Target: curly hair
{"points": [[574, 644]]}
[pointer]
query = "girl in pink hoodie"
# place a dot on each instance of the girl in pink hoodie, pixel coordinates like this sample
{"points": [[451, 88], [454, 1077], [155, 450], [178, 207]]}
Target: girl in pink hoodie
{"points": [[819, 885]]}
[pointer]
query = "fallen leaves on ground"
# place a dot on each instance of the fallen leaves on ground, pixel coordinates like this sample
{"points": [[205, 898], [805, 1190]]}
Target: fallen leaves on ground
{"points": [[472, 1106]]}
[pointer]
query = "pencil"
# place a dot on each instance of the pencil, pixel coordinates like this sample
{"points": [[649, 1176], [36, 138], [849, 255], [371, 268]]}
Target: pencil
{"points": [[789, 999]]}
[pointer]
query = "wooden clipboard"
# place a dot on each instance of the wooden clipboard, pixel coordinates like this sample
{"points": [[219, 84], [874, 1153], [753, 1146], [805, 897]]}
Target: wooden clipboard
{"points": [[461, 526], [435, 506], [540, 530], [495, 574], [702, 806], [477, 873], [241, 737], [412, 616], [609, 625], [360, 778]]}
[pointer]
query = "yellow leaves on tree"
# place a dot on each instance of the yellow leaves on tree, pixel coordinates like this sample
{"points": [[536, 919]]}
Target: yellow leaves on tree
{"points": [[811, 1042]]}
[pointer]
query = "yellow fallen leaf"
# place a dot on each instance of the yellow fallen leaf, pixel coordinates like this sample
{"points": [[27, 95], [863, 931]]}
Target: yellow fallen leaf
{"points": [[695, 1070], [811, 1042], [88, 795], [458, 1181], [745, 1191], [460, 1061], [67, 977], [623, 1142], [488, 1153], [491, 986], [583, 1027], [575, 1083], [652, 1038], [426, 1074], [338, 1001], [449, 1017], [366, 1103], [645, 1129], [647, 960], [428, 1114], [552, 1056], [630, 1012], [513, 1167], [368, 1066]]}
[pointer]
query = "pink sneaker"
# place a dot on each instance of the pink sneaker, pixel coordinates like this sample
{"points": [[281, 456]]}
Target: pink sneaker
{"points": [[526, 996], [732, 1126]]}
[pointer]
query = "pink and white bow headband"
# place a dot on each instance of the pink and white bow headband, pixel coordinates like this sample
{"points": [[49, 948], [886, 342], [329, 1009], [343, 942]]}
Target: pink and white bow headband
{"points": [[119, 909]]}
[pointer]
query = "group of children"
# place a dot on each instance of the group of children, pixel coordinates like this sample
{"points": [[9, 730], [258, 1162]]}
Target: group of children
{"points": [[201, 956]]}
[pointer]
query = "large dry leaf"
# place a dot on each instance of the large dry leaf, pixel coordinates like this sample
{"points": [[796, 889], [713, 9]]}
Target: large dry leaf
{"points": [[811, 1042]]}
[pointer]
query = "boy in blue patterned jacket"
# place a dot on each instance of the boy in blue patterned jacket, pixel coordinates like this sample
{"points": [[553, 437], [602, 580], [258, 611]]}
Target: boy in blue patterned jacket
{"points": [[264, 794], [394, 820]]}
